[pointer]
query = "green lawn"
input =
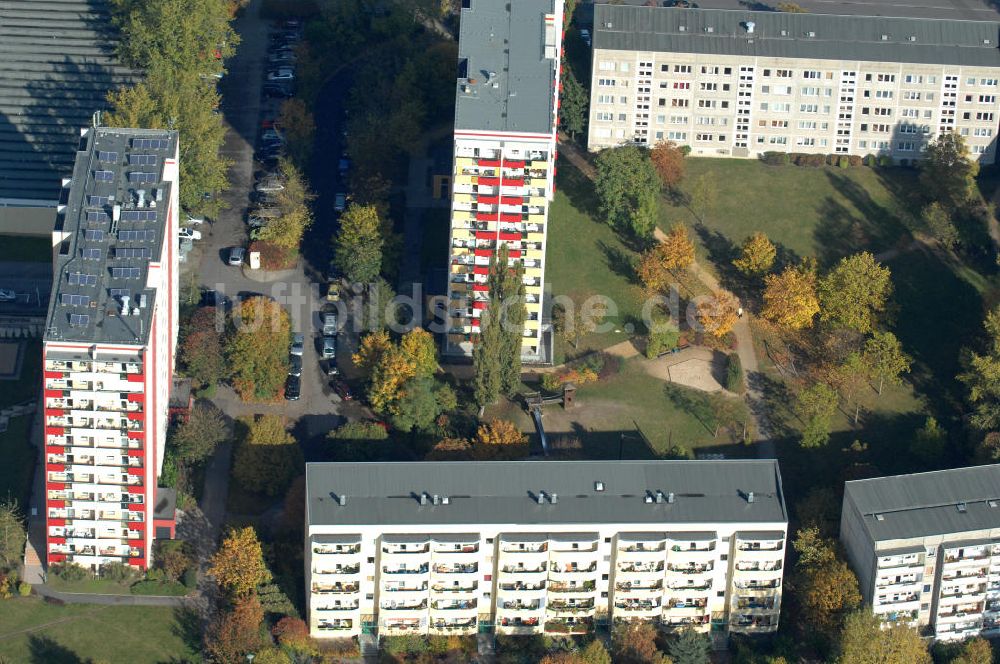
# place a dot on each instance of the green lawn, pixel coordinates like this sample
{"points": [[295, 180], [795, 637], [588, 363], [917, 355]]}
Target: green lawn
{"points": [[18, 456], [585, 258], [28, 249], [32, 631], [823, 212], [97, 586]]}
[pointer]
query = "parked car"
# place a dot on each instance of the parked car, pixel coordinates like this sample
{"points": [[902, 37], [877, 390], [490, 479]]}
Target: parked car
{"points": [[188, 234], [298, 344], [294, 365], [7, 295], [333, 292], [340, 202], [277, 90], [293, 388], [194, 221], [344, 165], [585, 36], [236, 255], [281, 74], [282, 57], [264, 198], [342, 390], [270, 185], [330, 324], [329, 348], [271, 135], [330, 367]]}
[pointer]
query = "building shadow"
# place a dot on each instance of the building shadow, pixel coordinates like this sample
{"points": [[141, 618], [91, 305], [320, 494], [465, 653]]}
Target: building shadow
{"points": [[44, 650]]}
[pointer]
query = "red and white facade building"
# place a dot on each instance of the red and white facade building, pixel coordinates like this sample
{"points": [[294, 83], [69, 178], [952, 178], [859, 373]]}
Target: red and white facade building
{"points": [[109, 348], [506, 112]]}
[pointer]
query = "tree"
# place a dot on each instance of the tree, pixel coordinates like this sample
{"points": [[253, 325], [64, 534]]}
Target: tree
{"points": [[652, 270], [593, 653], [268, 458], [848, 378], [663, 335], [356, 430], [357, 247], [573, 102], [718, 314], [625, 179], [790, 8], [420, 402], [757, 256], [855, 292], [975, 651], [499, 440], [451, 449], [866, 640], [690, 647], [299, 127], [201, 346], [198, 436], [790, 298], [981, 377], [816, 406], [819, 511], [497, 355], [272, 655], [884, 357], [292, 632], [635, 643], [578, 322], [677, 248], [734, 373], [826, 587], [236, 633], [947, 174], [293, 201], [419, 347], [238, 566], [387, 378], [12, 535], [668, 159], [930, 441], [937, 220], [257, 348], [370, 351]]}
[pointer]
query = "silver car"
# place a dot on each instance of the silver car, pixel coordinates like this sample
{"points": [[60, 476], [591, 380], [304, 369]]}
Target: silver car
{"points": [[236, 255]]}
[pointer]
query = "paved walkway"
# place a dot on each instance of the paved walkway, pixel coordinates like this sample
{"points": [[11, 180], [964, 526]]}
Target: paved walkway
{"points": [[744, 337], [119, 600]]}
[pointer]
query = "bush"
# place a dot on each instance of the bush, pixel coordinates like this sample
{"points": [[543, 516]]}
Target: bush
{"points": [[24, 589], [333, 651], [869, 160], [612, 366], [885, 161], [206, 392], [734, 373], [665, 337], [854, 160], [843, 161], [70, 572], [190, 578], [685, 150], [168, 588], [119, 573], [551, 382], [774, 158]]}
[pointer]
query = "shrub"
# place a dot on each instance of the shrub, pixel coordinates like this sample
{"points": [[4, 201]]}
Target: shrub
{"points": [[665, 337], [551, 382], [816, 160], [734, 373], [119, 573], [885, 161], [612, 367], [869, 160], [333, 651], [190, 578], [774, 158], [594, 362], [685, 150], [843, 161], [70, 572], [168, 588], [24, 589], [854, 160]]}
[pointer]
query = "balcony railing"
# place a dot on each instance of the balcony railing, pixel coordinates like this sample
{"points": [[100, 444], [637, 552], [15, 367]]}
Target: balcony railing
{"points": [[403, 570], [515, 569], [456, 568], [520, 606], [334, 588], [395, 606], [406, 589], [634, 567], [758, 546], [439, 588], [636, 605], [627, 586], [573, 569], [586, 586], [522, 586], [688, 603], [339, 569], [524, 548], [453, 605], [648, 548], [689, 569], [572, 606]]}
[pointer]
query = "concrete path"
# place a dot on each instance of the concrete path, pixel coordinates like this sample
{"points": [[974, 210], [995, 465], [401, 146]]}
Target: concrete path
{"points": [[744, 337], [119, 600]]}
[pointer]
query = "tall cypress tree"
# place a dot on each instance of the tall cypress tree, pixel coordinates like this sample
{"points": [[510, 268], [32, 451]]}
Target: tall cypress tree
{"points": [[497, 355]]}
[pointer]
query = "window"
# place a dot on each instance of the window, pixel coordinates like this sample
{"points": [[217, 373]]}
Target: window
{"points": [[988, 81], [880, 128], [905, 146], [682, 85], [662, 101], [910, 113], [782, 90], [659, 135], [664, 69], [703, 120], [810, 92], [703, 137], [677, 135], [606, 65], [781, 108], [763, 106], [679, 103], [985, 116], [987, 99], [709, 70], [883, 111], [661, 119], [622, 117], [913, 78], [604, 117], [678, 119], [807, 124], [778, 140], [606, 82], [883, 94], [810, 73], [809, 142], [779, 124], [970, 80], [623, 66], [982, 132], [708, 87], [978, 149], [707, 103], [682, 69], [605, 99], [809, 108], [886, 78]]}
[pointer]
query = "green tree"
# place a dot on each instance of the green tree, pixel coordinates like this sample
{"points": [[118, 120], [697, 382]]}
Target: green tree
{"points": [[12, 535], [734, 373], [855, 293], [299, 127], [816, 406], [826, 588], [421, 401], [201, 346], [419, 347], [198, 436], [358, 430], [268, 458], [981, 377], [866, 640], [238, 566], [296, 216], [626, 183], [663, 335], [929, 442], [757, 256], [690, 647], [947, 174], [256, 348], [885, 359], [497, 355], [573, 102], [358, 245], [938, 222], [975, 651]]}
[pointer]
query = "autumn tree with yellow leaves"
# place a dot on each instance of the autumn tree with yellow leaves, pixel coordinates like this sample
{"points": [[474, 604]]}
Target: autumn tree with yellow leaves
{"points": [[256, 349], [238, 566], [718, 314], [757, 256], [790, 298]]}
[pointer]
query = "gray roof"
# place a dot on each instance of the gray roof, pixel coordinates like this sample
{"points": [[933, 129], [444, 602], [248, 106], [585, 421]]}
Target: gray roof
{"points": [[927, 504], [57, 63], [111, 242], [505, 81], [504, 492], [783, 35]]}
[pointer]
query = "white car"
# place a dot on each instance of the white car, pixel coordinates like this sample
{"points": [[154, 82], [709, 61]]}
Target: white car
{"points": [[282, 74], [193, 220], [7, 295], [189, 234]]}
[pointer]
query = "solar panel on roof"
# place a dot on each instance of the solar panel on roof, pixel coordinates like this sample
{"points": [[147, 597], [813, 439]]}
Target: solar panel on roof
{"points": [[74, 300], [98, 201], [107, 156], [81, 279], [104, 176], [132, 252], [79, 320], [137, 236], [119, 292], [125, 272], [140, 177], [96, 216], [95, 235], [142, 159], [139, 215], [92, 253], [150, 143]]}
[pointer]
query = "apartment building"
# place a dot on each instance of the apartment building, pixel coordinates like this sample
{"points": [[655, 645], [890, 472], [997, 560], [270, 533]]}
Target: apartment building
{"points": [[108, 350], [504, 159], [736, 83], [557, 547], [926, 549]]}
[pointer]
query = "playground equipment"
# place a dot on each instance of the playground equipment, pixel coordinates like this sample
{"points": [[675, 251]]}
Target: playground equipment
{"points": [[534, 402]]}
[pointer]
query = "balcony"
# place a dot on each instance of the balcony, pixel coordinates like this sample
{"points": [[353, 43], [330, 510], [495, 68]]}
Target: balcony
{"points": [[642, 547], [466, 588], [640, 568], [406, 549], [524, 547], [457, 624], [639, 586], [335, 625], [689, 569], [520, 606], [338, 607], [757, 585], [335, 549], [637, 605], [401, 587], [561, 606], [755, 603], [760, 546], [334, 588], [571, 568], [402, 569], [339, 569], [569, 626], [521, 569], [453, 605], [404, 606], [758, 566], [519, 586], [456, 568], [585, 587], [753, 623]]}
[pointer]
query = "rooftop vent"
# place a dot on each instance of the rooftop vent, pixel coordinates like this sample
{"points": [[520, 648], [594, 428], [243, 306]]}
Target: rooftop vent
{"points": [[913, 38], [750, 497], [342, 499], [879, 517], [445, 500], [659, 497], [810, 34], [598, 486], [991, 503], [540, 497], [649, 497], [749, 25], [885, 37], [436, 499], [423, 498], [124, 305], [553, 498], [709, 29], [140, 195], [962, 507], [682, 28], [670, 497]]}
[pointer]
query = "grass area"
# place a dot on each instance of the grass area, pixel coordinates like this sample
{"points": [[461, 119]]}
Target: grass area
{"points": [[18, 461], [34, 631], [25, 249], [654, 417], [590, 259], [98, 586], [824, 212]]}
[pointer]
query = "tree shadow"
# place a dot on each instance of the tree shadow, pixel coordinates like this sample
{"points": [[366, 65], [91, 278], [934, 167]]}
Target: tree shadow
{"points": [[44, 650], [692, 402], [187, 627], [578, 188], [619, 261]]}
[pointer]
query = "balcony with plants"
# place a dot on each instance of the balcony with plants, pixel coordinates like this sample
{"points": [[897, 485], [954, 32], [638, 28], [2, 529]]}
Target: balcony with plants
{"points": [[572, 587], [336, 588], [569, 625]]}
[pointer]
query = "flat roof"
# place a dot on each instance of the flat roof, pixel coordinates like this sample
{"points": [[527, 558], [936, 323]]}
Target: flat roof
{"points": [[111, 238], [786, 35], [57, 65], [506, 74], [927, 504], [505, 492]]}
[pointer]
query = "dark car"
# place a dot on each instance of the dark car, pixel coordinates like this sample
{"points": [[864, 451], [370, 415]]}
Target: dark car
{"points": [[342, 390], [293, 388], [331, 368], [277, 90], [294, 365]]}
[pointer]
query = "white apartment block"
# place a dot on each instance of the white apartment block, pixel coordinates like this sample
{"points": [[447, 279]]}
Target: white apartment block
{"points": [[736, 83], [505, 152], [109, 346], [554, 547], [926, 549]]}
